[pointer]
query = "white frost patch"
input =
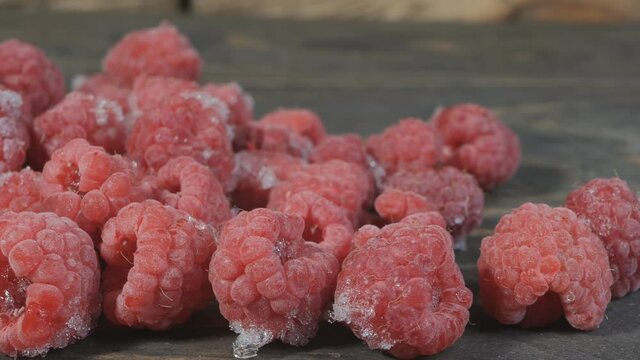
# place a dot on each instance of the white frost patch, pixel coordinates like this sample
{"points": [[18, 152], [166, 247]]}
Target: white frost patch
{"points": [[267, 178], [249, 341], [209, 101], [11, 104], [104, 108], [78, 81]]}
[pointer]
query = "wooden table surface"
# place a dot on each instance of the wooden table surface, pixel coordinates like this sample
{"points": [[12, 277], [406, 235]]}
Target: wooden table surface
{"points": [[572, 93]]}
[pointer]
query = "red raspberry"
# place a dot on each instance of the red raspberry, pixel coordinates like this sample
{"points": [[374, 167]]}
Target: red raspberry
{"points": [[456, 195], [348, 147], [346, 185], [26, 69], [540, 259], [269, 282], [395, 205], [104, 86], [14, 143], [161, 50], [278, 138], [25, 190], [411, 145], [302, 121], [150, 92], [96, 185], [157, 259], [325, 222], [257, 172], [400, 289], [188, 124], [477, 142], [14, 106], [50, 283], [80, 115], [190, 186], [613, 212], [239, 103]]}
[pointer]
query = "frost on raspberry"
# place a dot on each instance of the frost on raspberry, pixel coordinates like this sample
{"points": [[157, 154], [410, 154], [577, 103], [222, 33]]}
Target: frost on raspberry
{"points": [[301, 121], [95, 184], [257, 172], [411, 145], [240, 105], [455, 194], [14, 106], [26, 69], [50, 283], [613, 212], [14, 132], [277, 138], [542, 262], [25, 190], [187, 125], [478, 142], [156, 266], [394, 205], [400, 289], [149, 92], [161, 51], [269, 282], [185, 184], [104, 86], [81, 115]]}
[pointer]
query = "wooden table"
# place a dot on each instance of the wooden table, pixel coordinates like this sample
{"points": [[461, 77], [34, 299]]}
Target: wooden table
{"points": [[572, 93]]}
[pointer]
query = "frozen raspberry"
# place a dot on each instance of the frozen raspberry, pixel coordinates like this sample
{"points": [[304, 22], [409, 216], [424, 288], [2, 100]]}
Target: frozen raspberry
{"points": [[50, 283], [14, 143], [25, 190], [189, 186], [80, 115], [613, 212], [149, 92], [456, 195], [400, 289], [540, 259], [188, 124], [278, 138], [269, 282], [161, 50], [477, 142], [395, 205], [26, 69], [96, 185], [240, 105], [345, 184], [325, 222], [14, 106], [302, 121], [104, 86], [157, 260], [257, 172], [348, 147], [411, 145]]}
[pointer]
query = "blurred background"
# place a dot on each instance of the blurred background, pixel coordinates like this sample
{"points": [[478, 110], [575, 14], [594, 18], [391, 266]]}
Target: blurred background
{"points": [[470, 11]]}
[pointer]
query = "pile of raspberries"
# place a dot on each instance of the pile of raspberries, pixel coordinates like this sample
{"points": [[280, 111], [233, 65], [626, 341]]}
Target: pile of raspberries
{"points": [[143, 195]]}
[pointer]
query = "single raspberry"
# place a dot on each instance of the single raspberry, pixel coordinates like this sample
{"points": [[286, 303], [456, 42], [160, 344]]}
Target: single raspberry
{"points": [[613, 212], [188, 124], [26, 69], [190, 186], [14, 106], [456, 195], [477, 142], [411, 145], [157, 259], [277, 138], [269, 282], [302, 121], [14, 143], [400, 289], [395, 205], [149, 92], [324, 222], [540, 259], [348, 147], [81, 115], [104, 86], [161, 50], [25, 190], [257, 172], [96, 185], [240, 105], [345, 184], [50, 283]]}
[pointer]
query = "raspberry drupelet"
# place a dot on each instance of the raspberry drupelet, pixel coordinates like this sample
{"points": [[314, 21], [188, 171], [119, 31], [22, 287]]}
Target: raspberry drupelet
{"points": [[542, 263], [613, 212], [156, 266], [400, 289], [476, 141], [270, 283], [394, 205], [50, 283], [104, 86], [25, 190], [161, 50], [26, 69], [14, 132]]}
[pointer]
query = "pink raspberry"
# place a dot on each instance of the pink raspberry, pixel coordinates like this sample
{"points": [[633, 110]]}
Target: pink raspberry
{"points": [[25, 190], [104, 86], [14, 106], [50, 283], [187, 185], [188, 124], [14, 133], [26, 69], [613, 212], [161, 50], [277, 138], [348, 147], [95, 184], [80, 115], [157, 259], [302, 121], [150, 92], [270, 283], [400, 289], [541, 259], [257, 172], [411, 145], [456, 195], [395, 205], [477, 142], [239, 103]]}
